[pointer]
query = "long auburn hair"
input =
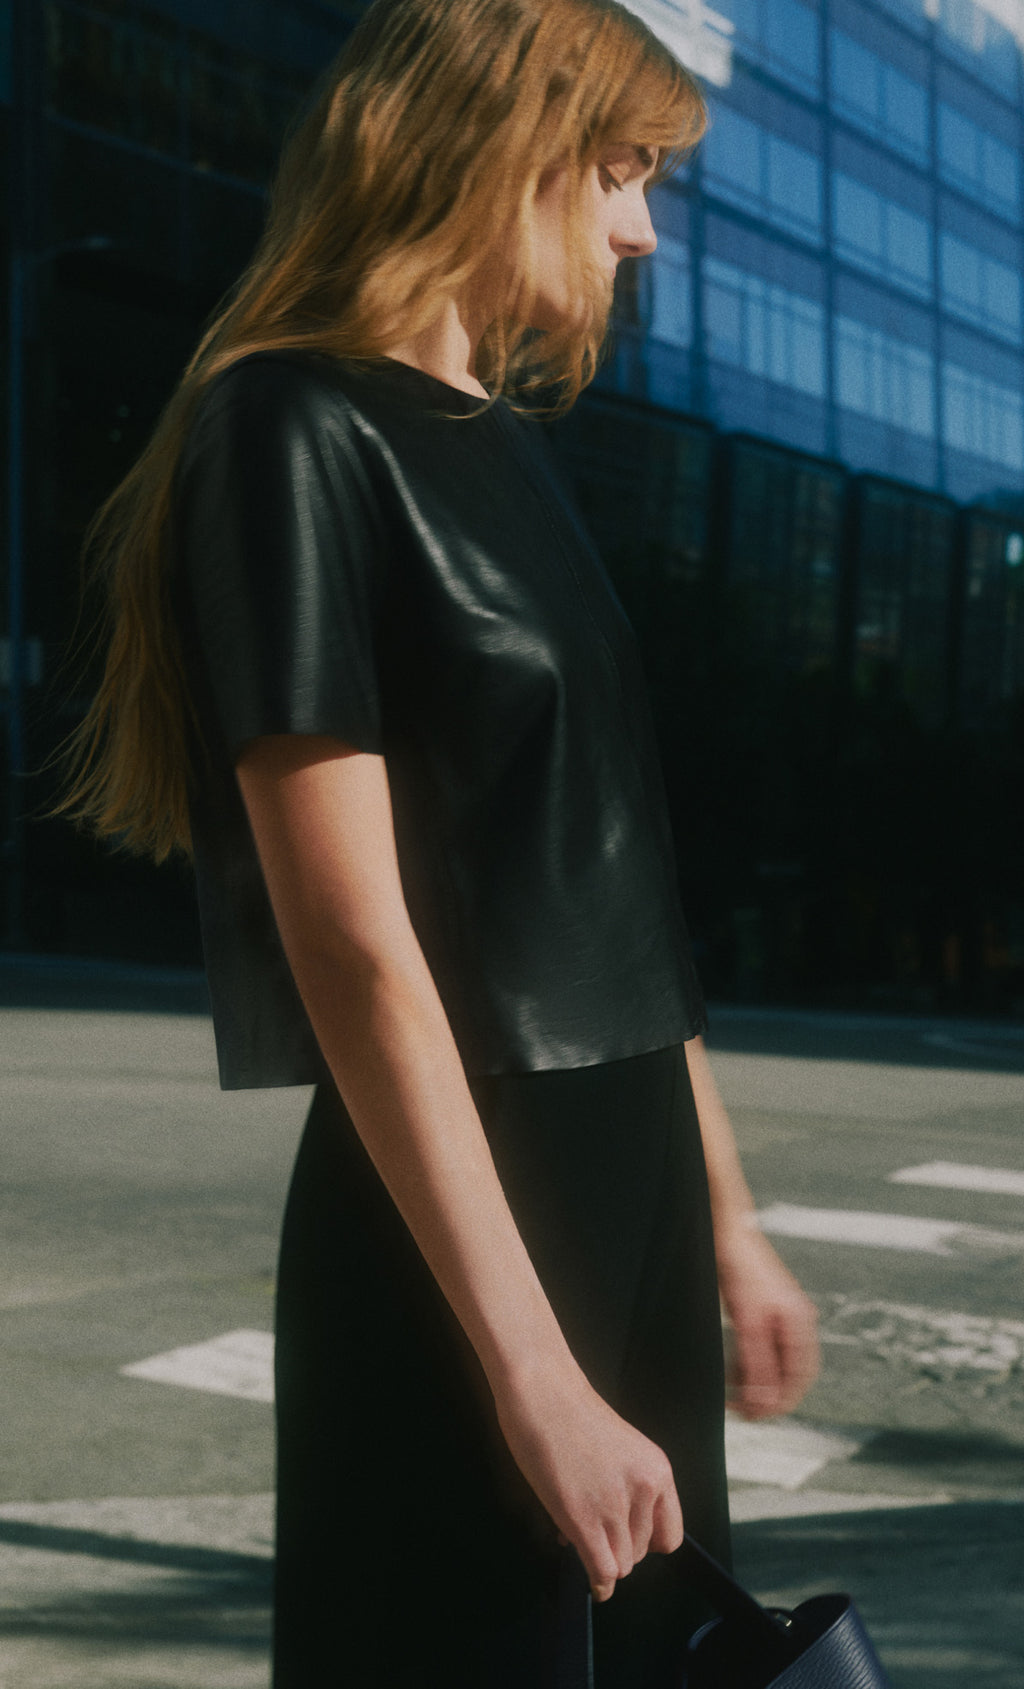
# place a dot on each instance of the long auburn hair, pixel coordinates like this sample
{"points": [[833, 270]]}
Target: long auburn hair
{"points": [[423, 150]]}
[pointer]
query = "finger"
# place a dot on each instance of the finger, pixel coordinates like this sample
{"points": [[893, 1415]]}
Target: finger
{"points": [[797, 1339], [601, 1566], [667, 1530], [641, 1524], [758, 1371]]}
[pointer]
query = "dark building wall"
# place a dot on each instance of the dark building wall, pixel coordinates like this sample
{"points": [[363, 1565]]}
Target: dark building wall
{"points": [[836, 656]]}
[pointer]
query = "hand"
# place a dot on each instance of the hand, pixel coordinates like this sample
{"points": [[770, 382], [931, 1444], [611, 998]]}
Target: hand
{"points": [[607, 1487], [775, 1359]]}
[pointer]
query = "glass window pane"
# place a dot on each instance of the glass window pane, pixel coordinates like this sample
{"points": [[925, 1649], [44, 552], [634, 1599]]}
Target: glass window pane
{"points": [[880, 376], [791, 36], [957, 145], [909, 245], [982, 417], [1000, 171], [670, 306], [1001, 295], [858, 218], [745, 14], [905, 111], [794, 183], [732, 153], [855, 81], [961, 274], [851, 368], [723, 312], [808, 373]]}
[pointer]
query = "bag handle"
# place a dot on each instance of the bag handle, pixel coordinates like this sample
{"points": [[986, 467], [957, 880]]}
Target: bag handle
{"points": [[768, 1635], [765, 1634]]}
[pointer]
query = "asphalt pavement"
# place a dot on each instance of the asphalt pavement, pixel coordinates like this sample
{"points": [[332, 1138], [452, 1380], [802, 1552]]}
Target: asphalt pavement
{"points": [[141, 1209]]}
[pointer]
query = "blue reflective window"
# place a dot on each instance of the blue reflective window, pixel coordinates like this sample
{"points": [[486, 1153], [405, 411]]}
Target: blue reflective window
{"points": [[732, 157], [782, 35], [855, 83], [980, 288], [972, 159], [765, 329], [982, 417], [880, 236], [671, 313], [794, 186], [884, 378], [969, 30], [877, 97], [1000, 173], [761, 172], [791, 37]]}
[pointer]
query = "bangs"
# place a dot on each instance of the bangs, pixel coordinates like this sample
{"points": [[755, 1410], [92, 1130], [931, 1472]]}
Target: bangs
{"points": [[659, 106]]}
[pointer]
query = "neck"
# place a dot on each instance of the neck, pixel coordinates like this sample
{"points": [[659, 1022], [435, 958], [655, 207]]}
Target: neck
{"points": [[446, 349]]}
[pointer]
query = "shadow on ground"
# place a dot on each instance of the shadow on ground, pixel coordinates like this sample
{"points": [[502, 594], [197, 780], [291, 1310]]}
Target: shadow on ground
{"points": [[941, 1589], [978, 1045]]}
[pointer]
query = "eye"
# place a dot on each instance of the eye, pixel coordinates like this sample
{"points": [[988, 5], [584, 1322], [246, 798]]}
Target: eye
{"points": [[609, 181]]}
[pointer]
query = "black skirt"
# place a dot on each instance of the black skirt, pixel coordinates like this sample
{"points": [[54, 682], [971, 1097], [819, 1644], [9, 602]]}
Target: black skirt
{"points": [[411, 1553]]}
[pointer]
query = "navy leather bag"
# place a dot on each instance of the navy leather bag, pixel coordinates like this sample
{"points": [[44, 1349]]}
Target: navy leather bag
{"points": [[822, 1644]]}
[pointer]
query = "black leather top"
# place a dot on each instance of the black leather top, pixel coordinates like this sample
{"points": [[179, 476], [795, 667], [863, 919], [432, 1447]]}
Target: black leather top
{"points": [[359, 555]]}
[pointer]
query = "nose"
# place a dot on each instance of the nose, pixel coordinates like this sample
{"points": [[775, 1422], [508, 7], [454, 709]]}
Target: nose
{"points": [[634, 235]]}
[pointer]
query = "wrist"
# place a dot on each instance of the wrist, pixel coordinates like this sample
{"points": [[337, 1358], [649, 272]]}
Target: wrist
{"points": [[737, 1233]]}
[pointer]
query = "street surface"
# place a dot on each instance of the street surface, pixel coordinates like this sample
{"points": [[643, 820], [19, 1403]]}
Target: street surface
{"points": [[140, 1216]]}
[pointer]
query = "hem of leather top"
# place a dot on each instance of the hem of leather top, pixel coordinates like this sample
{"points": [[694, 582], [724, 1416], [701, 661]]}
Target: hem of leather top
{"points": [[239, 1076]]}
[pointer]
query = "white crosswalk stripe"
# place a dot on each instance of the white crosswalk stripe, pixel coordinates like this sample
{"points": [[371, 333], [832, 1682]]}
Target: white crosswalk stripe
{"points": [[241, 1363], [955, 1175], [782, 1452], [872, 1230]]}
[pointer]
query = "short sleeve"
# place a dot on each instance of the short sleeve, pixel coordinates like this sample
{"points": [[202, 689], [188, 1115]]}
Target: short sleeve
{"points": [[279, 556]]}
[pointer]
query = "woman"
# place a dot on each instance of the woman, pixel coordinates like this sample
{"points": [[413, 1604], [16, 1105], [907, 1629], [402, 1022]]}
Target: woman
{"points": [[365, 665]]}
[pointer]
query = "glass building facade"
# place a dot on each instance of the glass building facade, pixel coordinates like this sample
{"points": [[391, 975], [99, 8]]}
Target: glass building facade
{"points": [[828, 345], [852, 229], [803, 458]]}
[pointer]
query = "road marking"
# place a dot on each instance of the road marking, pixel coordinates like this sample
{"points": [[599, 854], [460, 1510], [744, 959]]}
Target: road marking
{"points": [[241, 1363], [956, 1176], [927, 1337], [888, 1231], [784, 1454], [763, 1501]]}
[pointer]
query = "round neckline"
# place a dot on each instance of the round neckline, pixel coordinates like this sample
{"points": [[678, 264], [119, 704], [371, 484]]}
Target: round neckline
{"points": [[400, 368]]}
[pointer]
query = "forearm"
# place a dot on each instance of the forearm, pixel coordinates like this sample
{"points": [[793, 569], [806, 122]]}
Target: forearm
{"points": [[776, 1350], [385, 1036], [732, 1206]]}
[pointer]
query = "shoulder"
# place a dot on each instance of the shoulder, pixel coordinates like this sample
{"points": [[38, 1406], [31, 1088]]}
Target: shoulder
{"points": [[266, 390]]}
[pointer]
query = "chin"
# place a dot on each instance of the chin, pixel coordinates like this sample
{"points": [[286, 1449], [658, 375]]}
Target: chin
{"points": [[581, 316]]}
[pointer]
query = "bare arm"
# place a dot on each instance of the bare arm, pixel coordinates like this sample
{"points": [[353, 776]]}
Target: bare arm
{"points": [[774, 1323], [321, 818]]}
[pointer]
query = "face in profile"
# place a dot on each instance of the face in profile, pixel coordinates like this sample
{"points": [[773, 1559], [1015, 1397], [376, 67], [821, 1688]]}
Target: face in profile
{"points": [[614, 223]]}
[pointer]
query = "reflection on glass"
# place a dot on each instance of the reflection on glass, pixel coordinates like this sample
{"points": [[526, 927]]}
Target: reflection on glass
{"points": [[884, 378], [880, 236], [782, 564], [782, 35], [670, 280], [971, 158], [763, 328], [903, 585], [980, 288], [992, 633], [982, 417], [986, 34], [752, 168], [878, 98]]}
